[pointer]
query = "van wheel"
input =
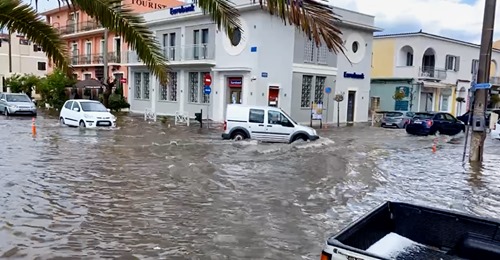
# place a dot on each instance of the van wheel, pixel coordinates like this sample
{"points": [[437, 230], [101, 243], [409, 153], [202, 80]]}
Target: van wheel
{"points": [[300, 137], [238, 136], [82, 124]]}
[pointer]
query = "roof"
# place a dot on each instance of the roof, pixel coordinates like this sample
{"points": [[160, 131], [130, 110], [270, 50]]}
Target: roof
{"points": [[429, 35]]}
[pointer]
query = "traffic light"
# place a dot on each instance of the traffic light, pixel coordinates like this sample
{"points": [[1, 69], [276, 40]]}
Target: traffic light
{"points": [[198, 117]]}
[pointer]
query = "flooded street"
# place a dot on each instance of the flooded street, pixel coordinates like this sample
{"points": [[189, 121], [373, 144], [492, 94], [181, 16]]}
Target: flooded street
{"points": [[147, 191]]}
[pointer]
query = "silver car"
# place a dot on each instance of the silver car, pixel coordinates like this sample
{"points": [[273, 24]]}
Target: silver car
{"points": [[398, 119], [16, 104]]}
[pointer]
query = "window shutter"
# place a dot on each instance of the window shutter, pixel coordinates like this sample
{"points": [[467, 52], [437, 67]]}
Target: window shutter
{"points": [[457, 63], [447, 62]]}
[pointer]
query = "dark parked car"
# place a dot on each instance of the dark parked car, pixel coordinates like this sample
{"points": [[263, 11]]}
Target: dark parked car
{"points": [[465, 117], [429, 123]]}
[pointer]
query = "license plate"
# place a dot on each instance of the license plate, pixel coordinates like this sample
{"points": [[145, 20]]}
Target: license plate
{"points": [[417, 122], [104, 123]]}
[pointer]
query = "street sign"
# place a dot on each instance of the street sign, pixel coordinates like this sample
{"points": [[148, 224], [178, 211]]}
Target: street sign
{"points": [[482, 86], [328, 90], [207, 90], [264, 74], [207, 79]]}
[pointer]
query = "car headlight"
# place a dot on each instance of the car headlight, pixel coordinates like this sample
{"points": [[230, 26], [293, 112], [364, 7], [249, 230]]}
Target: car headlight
{"points": [[87, 116]]}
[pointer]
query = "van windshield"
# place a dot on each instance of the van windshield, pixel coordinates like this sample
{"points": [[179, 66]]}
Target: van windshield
{"points": [[289, 117]]}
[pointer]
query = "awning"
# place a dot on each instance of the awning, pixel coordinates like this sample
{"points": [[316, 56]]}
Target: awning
{"points": [[88, 83], [430, 84]]}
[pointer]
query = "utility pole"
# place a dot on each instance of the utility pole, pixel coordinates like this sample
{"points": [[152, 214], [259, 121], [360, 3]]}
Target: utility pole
{"points": [[481, 95], [10, 51], [105, 56]]}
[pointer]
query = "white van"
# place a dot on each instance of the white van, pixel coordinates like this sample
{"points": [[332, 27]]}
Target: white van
{"points": [[268, 124]]}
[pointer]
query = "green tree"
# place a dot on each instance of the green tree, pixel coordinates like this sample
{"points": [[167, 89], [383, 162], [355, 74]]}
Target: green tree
{"points": [[53, 88], [22, 83], [316, 19]]}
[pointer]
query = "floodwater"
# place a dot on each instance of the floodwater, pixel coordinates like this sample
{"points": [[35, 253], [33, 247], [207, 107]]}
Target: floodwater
{"points": [[150, 191]]}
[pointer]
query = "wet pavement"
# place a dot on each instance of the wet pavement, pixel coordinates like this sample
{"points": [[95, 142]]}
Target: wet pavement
{"points": [[150, 191]]}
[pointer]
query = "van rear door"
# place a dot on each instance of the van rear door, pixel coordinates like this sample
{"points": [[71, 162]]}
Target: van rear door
{"points": [[256, 126]]}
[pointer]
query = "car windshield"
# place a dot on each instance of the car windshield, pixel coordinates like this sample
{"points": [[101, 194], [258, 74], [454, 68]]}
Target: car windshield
{"points": [[17, 98], [293, 121], [423, 116], [93, 107], [393, 114]]}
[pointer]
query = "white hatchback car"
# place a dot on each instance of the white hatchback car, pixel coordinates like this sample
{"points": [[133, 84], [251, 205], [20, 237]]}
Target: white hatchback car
{"points": [[86, 113], [495, 132]]}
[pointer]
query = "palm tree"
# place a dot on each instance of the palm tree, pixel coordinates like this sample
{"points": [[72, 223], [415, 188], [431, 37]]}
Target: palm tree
{"points": [[316, 19]]}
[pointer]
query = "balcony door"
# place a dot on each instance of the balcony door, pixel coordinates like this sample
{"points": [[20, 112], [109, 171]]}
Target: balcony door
{"points": [[429, 63], [88, 52], [117, 50], [74, 53]]}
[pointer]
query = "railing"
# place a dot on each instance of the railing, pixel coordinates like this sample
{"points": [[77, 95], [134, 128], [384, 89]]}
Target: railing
{"points": [[181, 53], [495, 80], [79, 27], [88, 59], [432, 72]]}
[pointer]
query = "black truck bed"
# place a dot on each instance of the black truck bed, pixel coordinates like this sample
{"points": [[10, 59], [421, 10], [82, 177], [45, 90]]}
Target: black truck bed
{"points": [[434, 234]]}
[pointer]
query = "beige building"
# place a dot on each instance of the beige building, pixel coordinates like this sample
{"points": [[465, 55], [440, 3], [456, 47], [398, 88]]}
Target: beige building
{"points": [[26, 57]]}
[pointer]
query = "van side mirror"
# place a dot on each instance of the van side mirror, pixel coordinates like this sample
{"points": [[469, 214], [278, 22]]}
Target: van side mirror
{"points": [[109, 110]]}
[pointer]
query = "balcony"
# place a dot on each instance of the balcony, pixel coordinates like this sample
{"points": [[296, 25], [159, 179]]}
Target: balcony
{"points": [[198, 53], [495, 81], [432, 73], [79, 27], [95, 59]]}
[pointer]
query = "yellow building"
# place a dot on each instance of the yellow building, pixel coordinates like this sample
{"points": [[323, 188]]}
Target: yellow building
{"points": [[441, 69]]}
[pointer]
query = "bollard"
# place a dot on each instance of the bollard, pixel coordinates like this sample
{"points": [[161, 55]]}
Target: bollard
{"points": [[33, 126]]}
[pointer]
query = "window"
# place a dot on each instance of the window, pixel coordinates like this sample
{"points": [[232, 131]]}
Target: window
{"points": [[319, 90], [87, 76], [169, 92], [169, 45], [24, 41], [36, 48], [145, 86], [75, 76], [409, 59], [305, 98], [196, 88], [355, 47], [101, 47], [236, 36], [256, 116], [277, 118], [137, 85], [444, 103], [42, 65], [449, 117], [68, 104], [452, 62], [309, 51], [196, 50], [475, 66]]}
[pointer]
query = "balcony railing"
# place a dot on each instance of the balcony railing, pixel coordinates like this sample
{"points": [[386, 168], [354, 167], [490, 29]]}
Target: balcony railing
{"points": [[79, 27], [495, 80], [181, 53], [88, 59], [432, 73]]}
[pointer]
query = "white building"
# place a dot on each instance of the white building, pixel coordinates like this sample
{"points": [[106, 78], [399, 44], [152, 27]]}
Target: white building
{"points": [[265, 63], [26, 57], [437, 68]]}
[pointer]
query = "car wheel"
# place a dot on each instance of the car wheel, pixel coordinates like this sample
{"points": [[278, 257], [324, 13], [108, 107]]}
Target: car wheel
{"points": [[6, 112], [82, 124], [300, 137], [61, 121], [238, 136]]}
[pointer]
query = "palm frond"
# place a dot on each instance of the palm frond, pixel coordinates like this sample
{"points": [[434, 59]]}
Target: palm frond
{"points": [[313, 17], [119, 18], [222, 13], [23, 19]]}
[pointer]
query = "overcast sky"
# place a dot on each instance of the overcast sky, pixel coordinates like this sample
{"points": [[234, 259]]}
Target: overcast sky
{"points": [[459, 19]]}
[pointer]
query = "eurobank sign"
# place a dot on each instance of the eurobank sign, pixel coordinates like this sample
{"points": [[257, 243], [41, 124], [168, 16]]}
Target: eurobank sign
{"points": [[182, 9]]}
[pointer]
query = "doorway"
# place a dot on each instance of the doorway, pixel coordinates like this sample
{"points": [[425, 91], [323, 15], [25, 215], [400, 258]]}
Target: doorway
{"points": [[426, 103], [274, 93], [234, 85], [351, 100]]}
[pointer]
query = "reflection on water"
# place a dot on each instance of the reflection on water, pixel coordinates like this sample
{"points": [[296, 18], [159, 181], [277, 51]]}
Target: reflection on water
{"points": [[150, 191]]}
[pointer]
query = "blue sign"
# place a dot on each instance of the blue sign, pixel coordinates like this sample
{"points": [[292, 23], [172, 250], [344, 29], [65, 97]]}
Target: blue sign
{"points": [[354, 75], [182, 9], [264, 74], [482, 86], [253, 49], [207, 90], [328, 90]]}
